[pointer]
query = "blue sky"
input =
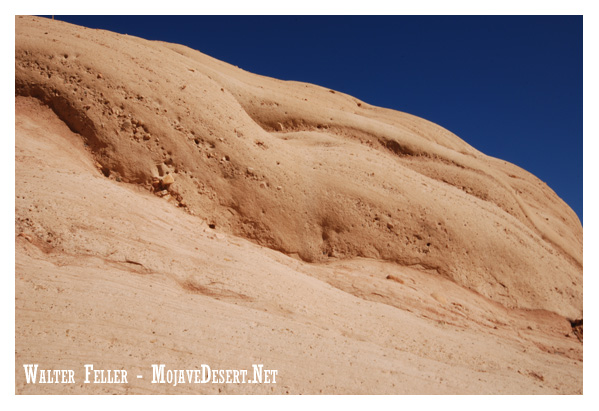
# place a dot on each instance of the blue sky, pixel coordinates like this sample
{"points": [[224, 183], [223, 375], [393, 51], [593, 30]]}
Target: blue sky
{"points": [[511, 86]]}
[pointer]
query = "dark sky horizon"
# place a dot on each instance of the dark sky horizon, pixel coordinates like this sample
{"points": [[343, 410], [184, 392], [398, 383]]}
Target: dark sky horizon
{"points": [[510, 86]]}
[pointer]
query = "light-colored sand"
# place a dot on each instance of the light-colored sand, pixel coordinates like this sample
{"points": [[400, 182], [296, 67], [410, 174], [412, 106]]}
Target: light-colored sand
{"points": [[355, 249]]}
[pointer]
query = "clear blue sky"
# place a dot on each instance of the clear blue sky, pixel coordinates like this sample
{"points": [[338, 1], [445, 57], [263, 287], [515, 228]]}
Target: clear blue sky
{"points": [[511, 86]]}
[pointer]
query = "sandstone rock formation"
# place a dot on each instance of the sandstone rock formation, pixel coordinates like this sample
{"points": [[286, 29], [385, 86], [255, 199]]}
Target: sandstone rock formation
{"points": [[348, 190]]}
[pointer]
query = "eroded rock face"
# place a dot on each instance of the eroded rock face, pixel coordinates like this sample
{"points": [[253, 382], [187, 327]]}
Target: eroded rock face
{"points": [[302, 169]]}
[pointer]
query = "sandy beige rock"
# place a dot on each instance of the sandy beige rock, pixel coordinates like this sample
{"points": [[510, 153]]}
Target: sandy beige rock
{"points": [[167, 180], [479, 221], [379, 211]]}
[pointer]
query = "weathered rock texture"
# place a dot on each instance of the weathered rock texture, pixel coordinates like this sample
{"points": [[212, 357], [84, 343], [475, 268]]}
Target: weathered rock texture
{"points": [[313, 173]]}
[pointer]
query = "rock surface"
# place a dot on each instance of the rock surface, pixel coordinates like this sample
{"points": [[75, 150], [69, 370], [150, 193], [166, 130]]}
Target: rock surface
{"points": [[363, 223]]}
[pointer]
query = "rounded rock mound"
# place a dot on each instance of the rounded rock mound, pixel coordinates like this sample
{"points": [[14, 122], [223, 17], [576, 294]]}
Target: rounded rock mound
{"points": [[303, 170]]}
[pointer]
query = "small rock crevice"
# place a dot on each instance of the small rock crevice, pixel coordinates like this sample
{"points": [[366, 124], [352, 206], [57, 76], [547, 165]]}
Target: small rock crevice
{"points": [[577, 328]]}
